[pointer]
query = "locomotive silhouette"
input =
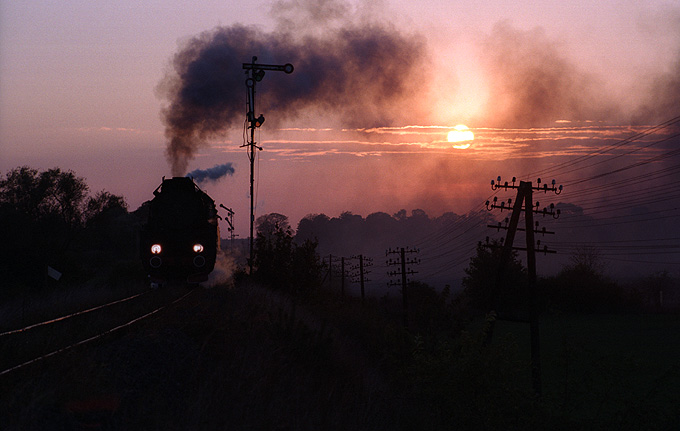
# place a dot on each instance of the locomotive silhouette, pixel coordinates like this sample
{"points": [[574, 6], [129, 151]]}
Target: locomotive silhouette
{"points": [[180, 240]]}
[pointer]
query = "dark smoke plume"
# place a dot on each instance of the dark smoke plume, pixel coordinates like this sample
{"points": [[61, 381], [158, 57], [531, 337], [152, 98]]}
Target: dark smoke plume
{"points": [[532, 83], [211, 174], [364, 74]]}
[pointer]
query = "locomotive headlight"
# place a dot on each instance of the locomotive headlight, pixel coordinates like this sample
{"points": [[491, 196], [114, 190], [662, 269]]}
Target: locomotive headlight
{"points": [[198, 248], [156, 249]]}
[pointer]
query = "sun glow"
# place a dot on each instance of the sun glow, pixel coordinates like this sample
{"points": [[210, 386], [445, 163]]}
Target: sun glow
{"points": [[461, 133]]}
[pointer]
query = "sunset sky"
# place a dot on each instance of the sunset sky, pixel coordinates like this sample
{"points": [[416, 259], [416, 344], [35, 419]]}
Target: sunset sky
{"points": [[549, 88]]}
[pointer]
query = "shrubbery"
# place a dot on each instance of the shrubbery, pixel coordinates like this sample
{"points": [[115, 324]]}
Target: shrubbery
{"points": [[282, 263], [47, 218]]}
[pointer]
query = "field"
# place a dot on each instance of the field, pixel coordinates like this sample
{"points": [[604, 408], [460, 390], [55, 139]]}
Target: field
{"points": [[247, 357], [607, 371], [220, 359]]}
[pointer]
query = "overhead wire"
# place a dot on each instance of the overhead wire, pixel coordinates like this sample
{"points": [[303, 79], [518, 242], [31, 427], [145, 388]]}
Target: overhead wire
{"points": [[641, 197], [555, 169]]}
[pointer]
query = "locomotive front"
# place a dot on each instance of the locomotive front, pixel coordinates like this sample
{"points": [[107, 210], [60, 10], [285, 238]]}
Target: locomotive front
{"points": [[181, 238]]}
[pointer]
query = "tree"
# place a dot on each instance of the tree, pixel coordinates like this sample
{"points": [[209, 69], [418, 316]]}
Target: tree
{"points": [[587, 260], [50, 196], [42, 214], [306, 267], [269, 225], [108, 225], [312, 227], [273, 249], [102, 205], [582, 285], [481, 287], [279, 261]]}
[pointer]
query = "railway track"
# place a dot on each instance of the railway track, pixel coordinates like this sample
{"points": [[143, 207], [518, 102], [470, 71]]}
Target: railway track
{"points": [[24, 346]]}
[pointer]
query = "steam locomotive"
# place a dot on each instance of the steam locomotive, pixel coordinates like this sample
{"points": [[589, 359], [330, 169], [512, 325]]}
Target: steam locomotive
{"points": [[180, 240]]}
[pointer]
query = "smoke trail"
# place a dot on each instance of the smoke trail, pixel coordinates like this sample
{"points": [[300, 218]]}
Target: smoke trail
{"points": [[659, 92], [211, 174], [223, 274], [366, 73], [533, 83], [663, 99]]}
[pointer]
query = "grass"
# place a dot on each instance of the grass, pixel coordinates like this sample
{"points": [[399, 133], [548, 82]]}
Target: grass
{"points": [[223, 359], [249, 358], [607, 371]]}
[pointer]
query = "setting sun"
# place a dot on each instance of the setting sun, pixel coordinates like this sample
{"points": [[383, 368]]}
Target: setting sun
{"points": [[461, 133]]}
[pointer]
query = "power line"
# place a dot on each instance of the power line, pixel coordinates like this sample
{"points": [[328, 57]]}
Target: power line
{"points": [[556, 169]]}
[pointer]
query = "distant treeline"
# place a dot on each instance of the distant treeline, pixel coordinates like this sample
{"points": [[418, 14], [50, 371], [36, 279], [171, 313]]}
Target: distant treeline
{"points": [[351, 234], [50, 219]]}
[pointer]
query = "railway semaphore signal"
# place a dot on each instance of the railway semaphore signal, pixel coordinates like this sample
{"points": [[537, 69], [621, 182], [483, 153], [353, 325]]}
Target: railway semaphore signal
{"points": [[255, 74]]}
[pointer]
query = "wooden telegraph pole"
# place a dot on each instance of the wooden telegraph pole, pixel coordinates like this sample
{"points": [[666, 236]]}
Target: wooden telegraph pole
{"points": [[359, 272], [524, 203], [342, 274], [402, 272]]}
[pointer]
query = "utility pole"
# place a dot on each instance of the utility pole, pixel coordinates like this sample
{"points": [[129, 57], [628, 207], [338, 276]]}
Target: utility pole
{"points": [[360, 277], [342, 274], [330, 271], [524, 203], [255, 73], [403, 272]]}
